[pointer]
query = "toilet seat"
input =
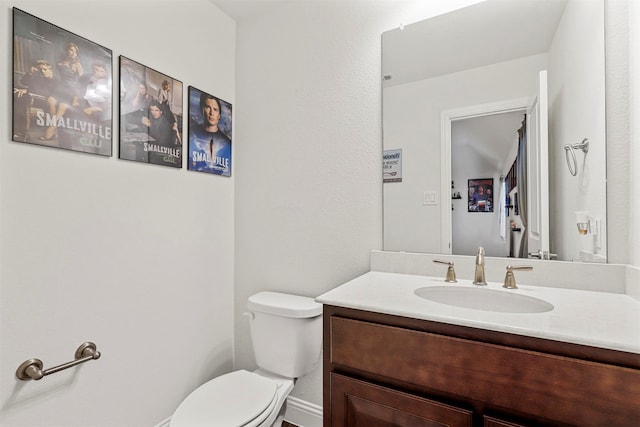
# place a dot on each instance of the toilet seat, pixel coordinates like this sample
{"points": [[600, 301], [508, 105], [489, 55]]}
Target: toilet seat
{"points": [[239, 398]]}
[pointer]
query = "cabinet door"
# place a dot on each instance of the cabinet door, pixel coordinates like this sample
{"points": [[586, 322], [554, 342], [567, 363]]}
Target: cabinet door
{"points": [[356, 403]]}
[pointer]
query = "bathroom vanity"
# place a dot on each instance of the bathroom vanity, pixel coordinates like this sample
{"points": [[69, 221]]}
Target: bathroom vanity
{"points": [[392, 357]]}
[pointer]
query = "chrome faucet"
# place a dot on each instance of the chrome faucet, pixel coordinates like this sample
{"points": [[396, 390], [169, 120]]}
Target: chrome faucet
{"points": [[478, 277], [451, 273], [510, 279]]}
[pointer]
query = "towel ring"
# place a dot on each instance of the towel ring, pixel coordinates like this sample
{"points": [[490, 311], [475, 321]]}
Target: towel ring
{"points": [[584, 146]]}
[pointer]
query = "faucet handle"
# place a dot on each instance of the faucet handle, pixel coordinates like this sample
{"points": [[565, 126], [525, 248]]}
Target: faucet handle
{"points": [[451, 273], [510, 278]]}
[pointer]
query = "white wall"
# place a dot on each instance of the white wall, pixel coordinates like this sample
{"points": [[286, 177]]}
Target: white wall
{"points": [[309, 190], [135, 257], [620, 209], [575, 64], [634, 74], [307, 119], [412, 122], [309, 200]]}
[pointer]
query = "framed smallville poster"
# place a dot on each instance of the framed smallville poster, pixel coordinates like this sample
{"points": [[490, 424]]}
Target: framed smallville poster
{"points": [[62, 88], [150, 115], [209, 133]]}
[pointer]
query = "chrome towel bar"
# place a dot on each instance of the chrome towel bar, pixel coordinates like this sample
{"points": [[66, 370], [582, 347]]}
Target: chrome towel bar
{"points": [[568, 149], [31, 369]]}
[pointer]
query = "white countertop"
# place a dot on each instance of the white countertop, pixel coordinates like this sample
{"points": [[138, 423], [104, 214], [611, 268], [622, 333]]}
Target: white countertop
{"points": [[599, 319]]}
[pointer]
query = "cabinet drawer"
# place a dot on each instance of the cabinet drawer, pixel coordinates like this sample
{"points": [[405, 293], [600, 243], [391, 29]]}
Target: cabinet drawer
{"points": [[357, 403], [524, 383], [496, 422]]}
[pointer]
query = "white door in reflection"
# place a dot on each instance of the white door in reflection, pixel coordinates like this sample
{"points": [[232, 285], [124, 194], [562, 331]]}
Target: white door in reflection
{"points": [[537, 228]]}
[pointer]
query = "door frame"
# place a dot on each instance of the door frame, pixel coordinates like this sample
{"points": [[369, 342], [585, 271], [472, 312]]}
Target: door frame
{"points": [[446, 118]]}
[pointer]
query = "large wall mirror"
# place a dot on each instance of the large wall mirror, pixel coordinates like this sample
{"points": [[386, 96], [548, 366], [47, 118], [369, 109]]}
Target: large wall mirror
{"points": [[494, 131]]}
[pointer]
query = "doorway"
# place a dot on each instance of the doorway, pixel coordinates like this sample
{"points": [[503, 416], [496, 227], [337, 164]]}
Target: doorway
{"points": [[486, 146], [483, 150]]}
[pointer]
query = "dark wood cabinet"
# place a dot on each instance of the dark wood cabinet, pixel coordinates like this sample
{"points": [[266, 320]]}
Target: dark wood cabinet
{"points": [[362, 404], [495, 422], [384, 370]]}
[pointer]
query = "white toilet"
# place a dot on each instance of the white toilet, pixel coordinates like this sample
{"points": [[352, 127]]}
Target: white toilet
{"points": [[286, 331]]}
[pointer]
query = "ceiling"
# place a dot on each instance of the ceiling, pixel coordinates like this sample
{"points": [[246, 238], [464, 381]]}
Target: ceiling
{"points": [[468, 38], [243, 9], [458, 40], [489, 137]]}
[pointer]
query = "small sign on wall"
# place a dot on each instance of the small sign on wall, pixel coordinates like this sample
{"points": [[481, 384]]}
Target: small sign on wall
{"points": [[392, 166]]}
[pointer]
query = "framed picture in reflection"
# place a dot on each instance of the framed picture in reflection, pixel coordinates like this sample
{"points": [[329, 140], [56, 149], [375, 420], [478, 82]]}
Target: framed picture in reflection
{"points": [[480, 193]]}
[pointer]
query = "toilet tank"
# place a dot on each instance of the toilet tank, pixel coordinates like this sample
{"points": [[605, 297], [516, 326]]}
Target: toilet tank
{"points": [[286, 331]]}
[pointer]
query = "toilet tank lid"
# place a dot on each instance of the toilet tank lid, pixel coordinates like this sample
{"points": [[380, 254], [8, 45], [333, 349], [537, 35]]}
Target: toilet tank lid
{"points": [[285, 305]]}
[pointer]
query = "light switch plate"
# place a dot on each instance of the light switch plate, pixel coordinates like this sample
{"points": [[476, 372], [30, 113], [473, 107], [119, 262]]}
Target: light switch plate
{"points": [[430, 198]]}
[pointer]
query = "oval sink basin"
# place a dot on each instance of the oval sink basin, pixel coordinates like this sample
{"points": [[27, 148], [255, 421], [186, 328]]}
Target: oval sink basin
{"points": [[483, 299]]}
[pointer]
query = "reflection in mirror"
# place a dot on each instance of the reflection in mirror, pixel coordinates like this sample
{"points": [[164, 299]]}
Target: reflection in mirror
{"points": [[490, 95]]}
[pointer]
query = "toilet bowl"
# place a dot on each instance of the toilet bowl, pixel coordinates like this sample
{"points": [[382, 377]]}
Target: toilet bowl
{"points": [[239, 398], [286, 332]]}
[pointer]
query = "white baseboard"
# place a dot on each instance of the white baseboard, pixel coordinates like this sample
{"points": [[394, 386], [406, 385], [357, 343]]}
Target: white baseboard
{"points": [[303, 413], [163, 423]]}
